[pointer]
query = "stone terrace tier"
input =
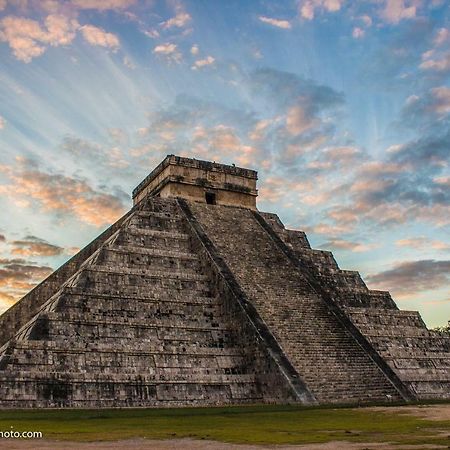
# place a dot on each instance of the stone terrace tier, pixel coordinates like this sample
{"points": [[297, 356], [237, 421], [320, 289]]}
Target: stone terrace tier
{"points": [[139, 324]]}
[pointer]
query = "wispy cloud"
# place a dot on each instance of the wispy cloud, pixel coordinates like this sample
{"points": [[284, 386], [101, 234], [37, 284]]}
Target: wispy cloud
{"points": [[169, 51], [103, 5], [179, 21], [342, 244], [34, 246], [208, 61], [409, 277], [279, 23], [423, 243], [61, 194], [17, 277]]}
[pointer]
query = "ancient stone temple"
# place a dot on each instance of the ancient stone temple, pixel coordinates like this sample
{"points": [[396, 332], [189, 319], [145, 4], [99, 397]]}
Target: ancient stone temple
{"points": [[195, 297]]}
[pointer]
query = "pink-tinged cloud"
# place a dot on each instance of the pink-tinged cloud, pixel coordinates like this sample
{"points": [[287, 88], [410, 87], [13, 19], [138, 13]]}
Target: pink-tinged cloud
{"points": [[103, 5], [97, 36], [435, 62], [200, 63], [298, 120], [17, 277], [179, 21], [410, 277], [441, 97], [442, 36], [63, 195], [342, 244], [396, 10], [279, 23], [423, 243], [358, 33], [308, 8], [169, 51], [27, 39], [33, 246]]}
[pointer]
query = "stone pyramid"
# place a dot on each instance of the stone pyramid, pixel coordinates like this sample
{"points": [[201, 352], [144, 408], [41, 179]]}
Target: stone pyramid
{"points": [[194, 297]]}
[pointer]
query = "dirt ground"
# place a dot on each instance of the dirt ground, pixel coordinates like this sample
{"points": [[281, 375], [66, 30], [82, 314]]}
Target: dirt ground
{"points": [[191, 444], [430, 412]]}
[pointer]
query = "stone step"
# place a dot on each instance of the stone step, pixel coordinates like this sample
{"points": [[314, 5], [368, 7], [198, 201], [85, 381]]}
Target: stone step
{"points": [[82, 298], [103, 281], [204, 321], [130, 391], [205, 307], [150, 348], [158, 252], [138, 237], [144, 272], [57, 326], [123, 259], [158, 221]]}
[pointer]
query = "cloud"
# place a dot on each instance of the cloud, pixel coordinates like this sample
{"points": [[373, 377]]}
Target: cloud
{"points": [[62, 195], [285, 24], [2, 123], [285, 89], [103, 5], [27, 39], [298, 120], [2, 5], [435, 62], [209, 60], [396, 10], [423, 243], [195, 50], [169, 51], [358, 33], [409, 277], [342, 244], [422, 112], [97, 36], [308, 8], [33, 246], [179, 21], [366, 20], [442, 36], [94, 153], [17, 277]]}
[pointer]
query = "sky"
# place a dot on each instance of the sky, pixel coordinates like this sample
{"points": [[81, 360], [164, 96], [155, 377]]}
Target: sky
{"points": [[342, 107]]}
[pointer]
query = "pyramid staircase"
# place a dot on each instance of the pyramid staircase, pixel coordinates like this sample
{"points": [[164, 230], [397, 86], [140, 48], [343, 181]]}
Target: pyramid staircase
{"points": [[419, 357], [333, 365]]}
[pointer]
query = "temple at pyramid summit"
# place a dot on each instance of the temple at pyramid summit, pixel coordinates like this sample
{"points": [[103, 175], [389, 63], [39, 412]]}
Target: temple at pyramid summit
{"points": [[195, 297]]}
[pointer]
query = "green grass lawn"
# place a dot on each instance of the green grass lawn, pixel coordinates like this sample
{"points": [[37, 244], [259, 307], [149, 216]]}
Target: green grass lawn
{"points": [[246, 424]]}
